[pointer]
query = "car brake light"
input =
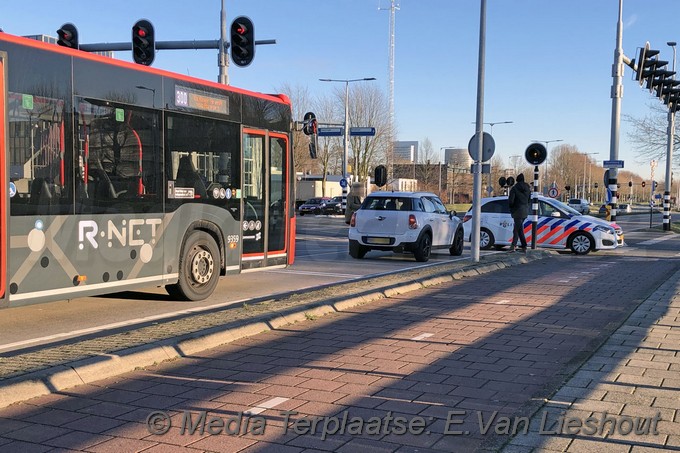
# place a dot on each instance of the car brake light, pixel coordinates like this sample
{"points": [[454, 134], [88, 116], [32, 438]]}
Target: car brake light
{"points": [[353, 221], [466, 218], [412, 222]]}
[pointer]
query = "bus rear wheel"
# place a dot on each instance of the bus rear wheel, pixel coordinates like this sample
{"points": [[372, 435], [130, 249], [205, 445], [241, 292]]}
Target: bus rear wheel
{"points": [[199, 268]]}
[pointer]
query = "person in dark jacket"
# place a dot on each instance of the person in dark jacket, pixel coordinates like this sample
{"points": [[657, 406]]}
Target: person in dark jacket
{"points": [[519, 200]]}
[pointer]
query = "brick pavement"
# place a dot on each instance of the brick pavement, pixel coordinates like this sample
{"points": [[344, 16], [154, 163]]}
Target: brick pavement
{"points": [[500, 343], [630, 387]]}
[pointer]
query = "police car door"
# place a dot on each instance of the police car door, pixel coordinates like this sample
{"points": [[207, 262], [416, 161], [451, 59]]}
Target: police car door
{"points": [[550, 231]]}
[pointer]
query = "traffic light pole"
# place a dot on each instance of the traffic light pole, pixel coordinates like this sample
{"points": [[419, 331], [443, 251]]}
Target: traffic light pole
{"points": [[164, 45], [222, 58], [616, 94], [669, 160], [534, 209]]}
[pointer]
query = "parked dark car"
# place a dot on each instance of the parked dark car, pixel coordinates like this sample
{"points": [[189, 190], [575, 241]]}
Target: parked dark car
{"points": [[334, 206], [314, 206]]}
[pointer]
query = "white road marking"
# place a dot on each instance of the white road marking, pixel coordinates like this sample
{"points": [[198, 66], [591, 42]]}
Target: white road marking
{"points": [[422, 336], [76, 333], [502, 302], [265, 405], [656, 240]]}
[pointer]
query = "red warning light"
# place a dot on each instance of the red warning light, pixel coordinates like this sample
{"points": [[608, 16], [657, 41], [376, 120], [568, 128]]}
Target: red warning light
{"points": [[141, 33], [241, 29]]}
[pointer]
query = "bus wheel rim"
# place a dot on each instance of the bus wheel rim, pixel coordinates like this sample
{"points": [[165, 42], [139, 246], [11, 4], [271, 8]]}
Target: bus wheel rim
{"points": [[202, 267]]}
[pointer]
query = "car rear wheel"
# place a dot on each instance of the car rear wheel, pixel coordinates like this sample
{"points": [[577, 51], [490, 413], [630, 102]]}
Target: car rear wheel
{"points": [[457, 246], [356, 250], [486, 239], [581, 243], [422, 251]]}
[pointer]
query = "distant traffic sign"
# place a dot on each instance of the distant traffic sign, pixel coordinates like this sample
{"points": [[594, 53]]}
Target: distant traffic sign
{"points": [[612, 164], [330, 132], [362, 131], [553, 192]]}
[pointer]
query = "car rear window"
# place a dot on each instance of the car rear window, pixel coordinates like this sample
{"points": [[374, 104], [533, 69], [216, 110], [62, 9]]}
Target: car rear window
{"points": [[387, 204], [575, 201], [497, 206]]}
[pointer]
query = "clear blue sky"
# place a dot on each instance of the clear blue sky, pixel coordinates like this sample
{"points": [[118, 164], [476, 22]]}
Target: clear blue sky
{"points": [[548, 62]]}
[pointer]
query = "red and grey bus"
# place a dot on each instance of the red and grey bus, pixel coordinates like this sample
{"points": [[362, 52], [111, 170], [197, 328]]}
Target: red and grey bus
{"points": [[117, 176]]}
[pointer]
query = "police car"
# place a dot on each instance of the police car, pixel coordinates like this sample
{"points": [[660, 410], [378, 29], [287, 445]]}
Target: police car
{"points": [[558, 226]]}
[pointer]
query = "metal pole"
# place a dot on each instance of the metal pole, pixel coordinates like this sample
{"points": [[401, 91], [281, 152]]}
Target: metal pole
{"points": [[345, 147], [669, 159], [477, 177], [222, 57], [617, 94]]}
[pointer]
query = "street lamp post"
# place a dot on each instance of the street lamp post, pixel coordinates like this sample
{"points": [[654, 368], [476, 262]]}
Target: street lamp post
{"points": [[545, 173], [585, 160], [346, 131]]}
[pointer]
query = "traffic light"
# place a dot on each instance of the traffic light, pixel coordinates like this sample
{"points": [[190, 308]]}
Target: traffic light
{"points": [[654, 184], [380, 175], [567, 188], [309, 126], [596, 185], [143, 43], [242, 41], [646, 64], [68, 36], [313, 145], [644, 183], [535, 154], [630, 183]]}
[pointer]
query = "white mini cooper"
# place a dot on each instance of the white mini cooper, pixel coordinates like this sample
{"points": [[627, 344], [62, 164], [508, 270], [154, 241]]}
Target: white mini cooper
{"points": [[415, 222]]}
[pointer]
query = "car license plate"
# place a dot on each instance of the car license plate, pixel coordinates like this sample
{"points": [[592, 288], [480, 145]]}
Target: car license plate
{"points": [[379, 241]]}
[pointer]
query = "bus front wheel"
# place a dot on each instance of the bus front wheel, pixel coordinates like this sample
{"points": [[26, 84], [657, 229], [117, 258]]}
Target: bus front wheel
{"points": [[199, 268]]}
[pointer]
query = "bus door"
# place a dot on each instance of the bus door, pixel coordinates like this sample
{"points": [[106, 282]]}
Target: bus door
{"points": [[265, 198], [5, 187]]}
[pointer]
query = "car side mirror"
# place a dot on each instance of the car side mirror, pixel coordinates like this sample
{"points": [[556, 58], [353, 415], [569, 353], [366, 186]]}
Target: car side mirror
{"points": [[452, 214]]}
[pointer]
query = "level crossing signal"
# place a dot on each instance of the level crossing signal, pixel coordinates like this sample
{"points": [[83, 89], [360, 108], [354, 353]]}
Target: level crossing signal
{"points": [[535, 154], [143, 42], [242, 41], [68, 36]]}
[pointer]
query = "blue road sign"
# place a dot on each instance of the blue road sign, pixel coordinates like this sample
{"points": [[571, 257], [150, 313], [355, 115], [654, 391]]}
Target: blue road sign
{"points": [[343, 183], [362, 131], [612, 164], [330, 132]]}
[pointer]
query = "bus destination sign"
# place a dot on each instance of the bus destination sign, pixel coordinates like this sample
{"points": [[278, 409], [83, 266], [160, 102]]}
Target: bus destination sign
{"points": [[201, 100]]}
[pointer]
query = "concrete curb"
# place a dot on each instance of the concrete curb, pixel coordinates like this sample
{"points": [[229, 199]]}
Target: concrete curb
{"points": [[93, 369]]}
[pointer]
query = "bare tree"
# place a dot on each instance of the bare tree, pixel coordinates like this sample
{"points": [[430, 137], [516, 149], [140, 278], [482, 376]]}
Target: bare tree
{"points": [[302, 103], [650, 134], [426, 175], [329, 153], [367, 107]]}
